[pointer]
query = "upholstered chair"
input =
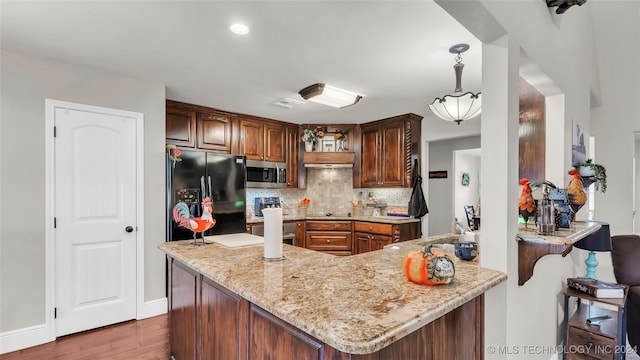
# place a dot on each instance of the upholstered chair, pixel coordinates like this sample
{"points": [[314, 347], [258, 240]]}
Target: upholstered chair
{"points": [[625, 256]]}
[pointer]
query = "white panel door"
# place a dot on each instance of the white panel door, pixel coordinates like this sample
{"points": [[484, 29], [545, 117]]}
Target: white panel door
{"points": [[95, 211]]}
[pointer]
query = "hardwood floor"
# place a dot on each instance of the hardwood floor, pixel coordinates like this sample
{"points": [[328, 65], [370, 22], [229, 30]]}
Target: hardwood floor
{"points": [[145, 339]]}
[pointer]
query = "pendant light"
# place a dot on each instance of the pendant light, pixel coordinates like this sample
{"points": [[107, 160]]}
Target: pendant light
{"points": [[458, 106]]}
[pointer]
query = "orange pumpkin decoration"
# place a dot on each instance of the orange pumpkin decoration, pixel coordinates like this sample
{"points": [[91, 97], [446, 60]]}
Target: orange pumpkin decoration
{"points": [[428, 267]]}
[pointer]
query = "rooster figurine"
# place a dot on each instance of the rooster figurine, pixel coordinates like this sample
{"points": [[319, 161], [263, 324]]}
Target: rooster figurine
{"points": [[182, 216], [526, 205], [575, 190]]}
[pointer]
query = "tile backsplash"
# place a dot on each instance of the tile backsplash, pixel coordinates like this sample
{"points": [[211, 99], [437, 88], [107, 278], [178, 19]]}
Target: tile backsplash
{"points": [[330, 190]]}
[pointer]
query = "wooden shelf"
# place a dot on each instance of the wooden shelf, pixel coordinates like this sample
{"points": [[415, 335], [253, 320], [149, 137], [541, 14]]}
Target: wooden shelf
{"points": [[531, 246]]}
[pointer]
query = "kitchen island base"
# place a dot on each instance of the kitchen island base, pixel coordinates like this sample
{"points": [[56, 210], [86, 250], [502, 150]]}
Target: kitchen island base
{"points": [[209, 321]]}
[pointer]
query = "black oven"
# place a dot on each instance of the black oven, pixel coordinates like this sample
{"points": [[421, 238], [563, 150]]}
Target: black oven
{"points": [[266, 174]]}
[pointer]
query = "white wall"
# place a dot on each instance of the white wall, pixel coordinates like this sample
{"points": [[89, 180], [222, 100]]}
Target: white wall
{"points": [[466, 195], [440, 191], [562, 46], [25, 83]]}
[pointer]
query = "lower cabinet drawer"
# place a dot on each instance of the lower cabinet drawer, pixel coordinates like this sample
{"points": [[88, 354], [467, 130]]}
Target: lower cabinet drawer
{"points": [[583, 344], [374, 228], [328, 240]]}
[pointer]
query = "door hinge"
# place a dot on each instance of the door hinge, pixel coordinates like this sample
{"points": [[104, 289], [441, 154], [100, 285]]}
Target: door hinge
{"points": [[55, 131], [55, 222], [55, 313]]}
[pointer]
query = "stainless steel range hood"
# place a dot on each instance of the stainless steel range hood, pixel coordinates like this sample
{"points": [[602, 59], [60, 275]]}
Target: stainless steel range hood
{"points": [[328, 159]]}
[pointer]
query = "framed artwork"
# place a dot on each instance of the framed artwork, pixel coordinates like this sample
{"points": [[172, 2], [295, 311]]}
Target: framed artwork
{"points": [[578, 148], [328, 145], [465, 179]]}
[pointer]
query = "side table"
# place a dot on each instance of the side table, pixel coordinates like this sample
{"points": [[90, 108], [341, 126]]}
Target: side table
{"points": [[604, 341]]}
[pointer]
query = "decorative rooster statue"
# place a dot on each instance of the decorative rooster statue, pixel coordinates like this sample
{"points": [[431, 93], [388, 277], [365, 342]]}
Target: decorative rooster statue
{"points": [[182, 215], [526, 205], [575, 190]]}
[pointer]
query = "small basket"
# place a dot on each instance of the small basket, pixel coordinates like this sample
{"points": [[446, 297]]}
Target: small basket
{"points": [[357, 210]]}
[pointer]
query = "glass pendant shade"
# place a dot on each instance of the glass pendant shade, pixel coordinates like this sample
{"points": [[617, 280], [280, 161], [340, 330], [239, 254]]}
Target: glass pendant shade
{"points": [[457, 106]]}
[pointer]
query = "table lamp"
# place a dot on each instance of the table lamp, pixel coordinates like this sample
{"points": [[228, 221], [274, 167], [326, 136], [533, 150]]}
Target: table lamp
{"points": [[598, 241]]}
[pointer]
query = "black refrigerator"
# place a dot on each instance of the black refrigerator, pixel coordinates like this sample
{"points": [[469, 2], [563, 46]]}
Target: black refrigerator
{"points": [[192, 175]]}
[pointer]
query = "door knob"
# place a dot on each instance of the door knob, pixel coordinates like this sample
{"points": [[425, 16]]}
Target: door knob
{"points": [[128, 229]]}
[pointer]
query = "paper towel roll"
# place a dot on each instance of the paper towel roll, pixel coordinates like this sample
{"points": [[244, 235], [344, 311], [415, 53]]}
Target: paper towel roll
{"points": [[272, 233]]}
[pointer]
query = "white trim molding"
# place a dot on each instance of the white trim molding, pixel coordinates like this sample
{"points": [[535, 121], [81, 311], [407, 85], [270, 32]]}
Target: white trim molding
{"points": [[23, 338], [154, 308]]}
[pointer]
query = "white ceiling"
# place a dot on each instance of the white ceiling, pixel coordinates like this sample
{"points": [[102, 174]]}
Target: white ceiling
{"points": [[394, 53]]}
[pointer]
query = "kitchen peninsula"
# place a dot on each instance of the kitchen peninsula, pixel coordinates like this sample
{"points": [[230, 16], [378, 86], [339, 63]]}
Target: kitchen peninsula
{"points": [[231, 304]]}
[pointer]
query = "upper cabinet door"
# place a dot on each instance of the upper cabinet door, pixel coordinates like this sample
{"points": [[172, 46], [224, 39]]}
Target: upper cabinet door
{"points": [[275, 140], [181, 127], [370, 171], [293, 146], [252, 139], [392, 153], [214, 132]]}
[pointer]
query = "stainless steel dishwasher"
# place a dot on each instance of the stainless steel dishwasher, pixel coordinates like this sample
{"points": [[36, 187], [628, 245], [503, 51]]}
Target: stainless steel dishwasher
{"points": [[288, 232]]}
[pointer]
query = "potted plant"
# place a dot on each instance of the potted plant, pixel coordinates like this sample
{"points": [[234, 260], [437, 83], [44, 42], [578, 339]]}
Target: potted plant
{"points": [[593, 173], [310, 137]]}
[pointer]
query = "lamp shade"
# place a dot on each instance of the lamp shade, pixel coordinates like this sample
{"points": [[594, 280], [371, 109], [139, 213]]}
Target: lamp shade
{"points": [[598, 241], [457, 107], [329, 95]]}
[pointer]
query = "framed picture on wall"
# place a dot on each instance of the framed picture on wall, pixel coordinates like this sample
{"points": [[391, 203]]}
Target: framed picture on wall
{"points": [[328, 145], [578, 148]]}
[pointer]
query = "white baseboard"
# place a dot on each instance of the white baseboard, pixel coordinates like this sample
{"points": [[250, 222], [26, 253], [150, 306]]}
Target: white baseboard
{"points": [[39, 334], [23, 338], [154, 308]]}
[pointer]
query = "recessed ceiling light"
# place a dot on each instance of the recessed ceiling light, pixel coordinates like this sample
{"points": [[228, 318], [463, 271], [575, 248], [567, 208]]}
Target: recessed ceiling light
{"points": [[240, 29]]}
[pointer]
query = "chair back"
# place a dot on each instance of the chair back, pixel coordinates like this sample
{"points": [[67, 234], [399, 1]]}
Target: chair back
{"points": [[470, 212], [625, 254]]}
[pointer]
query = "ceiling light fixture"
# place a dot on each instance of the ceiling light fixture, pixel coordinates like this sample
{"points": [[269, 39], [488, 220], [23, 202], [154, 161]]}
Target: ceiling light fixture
{"points": [[240, 29], [457, 106], [329, 95]]}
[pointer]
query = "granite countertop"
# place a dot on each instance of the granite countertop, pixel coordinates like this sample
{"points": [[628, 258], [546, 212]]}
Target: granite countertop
{"points": [[378, 219], [562, 236], [356, 304]]}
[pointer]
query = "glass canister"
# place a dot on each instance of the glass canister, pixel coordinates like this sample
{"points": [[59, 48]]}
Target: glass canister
{"points": [[546, 219]]}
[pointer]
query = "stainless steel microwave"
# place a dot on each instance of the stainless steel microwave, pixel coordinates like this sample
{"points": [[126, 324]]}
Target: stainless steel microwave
{"points": [[266, 174]]}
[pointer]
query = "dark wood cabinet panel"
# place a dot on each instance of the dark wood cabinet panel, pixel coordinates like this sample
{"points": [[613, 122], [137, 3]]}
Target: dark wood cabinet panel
{"points": [[272, 338], [392, 153], [221, 325], [370, 168], [389, 149], [252, 139], [275, 141], [362, 242], [328, 240], [374, 228], [300, 233], [180, 127], [183, 308], [292, 156], [214, 132], [328, 225]]}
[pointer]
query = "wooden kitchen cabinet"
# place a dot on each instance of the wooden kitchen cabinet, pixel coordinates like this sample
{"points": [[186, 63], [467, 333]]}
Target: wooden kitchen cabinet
{"points": [[214, 131], [180, 126], [184, 287], [329, 236], [261, 139], [200, 127], [389, 148], [372, 236], [292, 155]]}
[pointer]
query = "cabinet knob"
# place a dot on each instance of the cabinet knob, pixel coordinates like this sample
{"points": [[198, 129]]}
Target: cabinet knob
{"points": [[328, 241], [299, 225]]}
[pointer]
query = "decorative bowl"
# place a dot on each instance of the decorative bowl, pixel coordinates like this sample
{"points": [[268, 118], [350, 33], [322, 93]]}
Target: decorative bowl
{"points": [[466, 250]]}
